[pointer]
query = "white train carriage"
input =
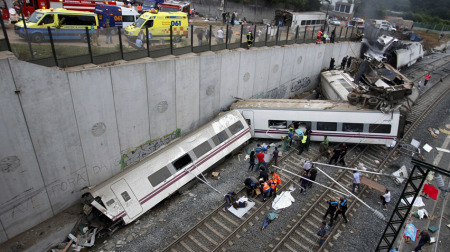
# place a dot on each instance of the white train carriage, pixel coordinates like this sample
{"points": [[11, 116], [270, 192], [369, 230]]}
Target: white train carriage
{"points": [[129, 194], [338, 120]]}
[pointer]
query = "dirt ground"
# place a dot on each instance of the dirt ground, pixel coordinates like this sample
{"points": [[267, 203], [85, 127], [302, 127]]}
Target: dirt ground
{"points": [[431, 39]]}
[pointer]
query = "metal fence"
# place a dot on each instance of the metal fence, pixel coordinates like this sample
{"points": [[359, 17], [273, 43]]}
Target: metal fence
{"points": [[47, 47], [432, 27]]}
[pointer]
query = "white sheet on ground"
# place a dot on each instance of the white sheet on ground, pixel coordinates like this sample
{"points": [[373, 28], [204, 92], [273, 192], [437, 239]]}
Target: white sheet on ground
{"points": [[283, 200], [241, 211], [417, 203]]}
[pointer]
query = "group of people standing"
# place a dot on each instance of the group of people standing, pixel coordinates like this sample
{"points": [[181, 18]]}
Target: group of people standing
{"points": [[346, 62], [322, 36], [229, 19]]}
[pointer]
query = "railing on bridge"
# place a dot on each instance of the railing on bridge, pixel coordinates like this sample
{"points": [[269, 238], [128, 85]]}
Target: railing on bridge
{"points": [[110, 44]]}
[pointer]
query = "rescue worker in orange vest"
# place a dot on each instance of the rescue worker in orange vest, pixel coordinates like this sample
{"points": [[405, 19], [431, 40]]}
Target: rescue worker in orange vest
{"points": [[273, 186], [277, 178], [139, 9], [427, 78], [265, 189]]}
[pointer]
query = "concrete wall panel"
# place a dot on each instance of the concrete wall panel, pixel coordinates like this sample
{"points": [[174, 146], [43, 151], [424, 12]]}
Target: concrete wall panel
{"points": [[246, 74], [187, 93], [262, 70], [276, 65], [94, 107], [209, 92], [65, 191], [130, 99], [161, 97], [48, 109], [20, 178], [289, 63], [30, 212], [229, 78]]}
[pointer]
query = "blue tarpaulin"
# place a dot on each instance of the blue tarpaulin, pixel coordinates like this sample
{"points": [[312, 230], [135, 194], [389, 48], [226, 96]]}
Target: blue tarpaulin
{"points": [[415, 37]]}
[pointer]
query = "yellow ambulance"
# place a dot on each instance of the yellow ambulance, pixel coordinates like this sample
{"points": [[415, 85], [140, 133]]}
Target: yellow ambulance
{"points": [[158, 24], [64, 24]]}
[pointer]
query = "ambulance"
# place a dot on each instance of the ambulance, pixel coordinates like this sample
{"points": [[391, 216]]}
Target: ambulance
{"points": [[64, 24], [158, 24]]}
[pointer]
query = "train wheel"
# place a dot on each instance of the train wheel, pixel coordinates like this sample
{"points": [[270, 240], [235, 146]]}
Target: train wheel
{"points": [[353, 98], [372, 102]]}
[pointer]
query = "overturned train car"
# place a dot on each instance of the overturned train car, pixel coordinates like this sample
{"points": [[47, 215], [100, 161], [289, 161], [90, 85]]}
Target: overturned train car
{"points": [[134, 191]]}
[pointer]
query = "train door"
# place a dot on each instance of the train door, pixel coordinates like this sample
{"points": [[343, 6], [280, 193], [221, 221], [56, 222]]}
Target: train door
{"points": [[248, 115], [127, 198]]}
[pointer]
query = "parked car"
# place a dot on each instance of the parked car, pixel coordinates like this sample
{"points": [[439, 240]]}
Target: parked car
{"points": [[387, 27], [334, 22]]}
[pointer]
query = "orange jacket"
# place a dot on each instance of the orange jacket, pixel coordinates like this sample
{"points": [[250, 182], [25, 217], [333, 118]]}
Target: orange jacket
{"points": [[264, 186], [273, 183], [277, 178], [427, 77]]}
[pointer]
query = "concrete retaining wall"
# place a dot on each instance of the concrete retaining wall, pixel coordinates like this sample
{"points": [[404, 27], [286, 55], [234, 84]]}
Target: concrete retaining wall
{"points": [[63, 131]]}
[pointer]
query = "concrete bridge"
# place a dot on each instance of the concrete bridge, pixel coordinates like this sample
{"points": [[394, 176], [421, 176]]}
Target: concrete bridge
{"points": [[62, 131]]}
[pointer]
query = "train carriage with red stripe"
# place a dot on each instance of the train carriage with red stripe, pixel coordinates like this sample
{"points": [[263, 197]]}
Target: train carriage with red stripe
{"points": [[338, 120], [129, 194]]}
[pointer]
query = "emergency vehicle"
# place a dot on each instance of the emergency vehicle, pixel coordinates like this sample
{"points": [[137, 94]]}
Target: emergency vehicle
{"points": [[28, 7], [4, 10], [356, 22], [118, 16], [64, 24], [158, 24], [151, 4], [171, 5]]}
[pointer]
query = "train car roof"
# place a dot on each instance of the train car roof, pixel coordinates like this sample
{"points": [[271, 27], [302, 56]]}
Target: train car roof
{"points": [[297, 104]]}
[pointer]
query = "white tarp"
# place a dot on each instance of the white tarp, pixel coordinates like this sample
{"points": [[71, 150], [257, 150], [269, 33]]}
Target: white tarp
{"points": [[417, 203], [241, 211], [283, 200]]}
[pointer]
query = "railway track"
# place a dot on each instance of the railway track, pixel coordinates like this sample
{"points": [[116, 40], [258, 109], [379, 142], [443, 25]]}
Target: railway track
{"points": [[221, 231], [302, 236]]}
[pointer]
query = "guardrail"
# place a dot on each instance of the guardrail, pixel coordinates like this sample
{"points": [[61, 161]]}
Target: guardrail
{"points": [[49, 47]]}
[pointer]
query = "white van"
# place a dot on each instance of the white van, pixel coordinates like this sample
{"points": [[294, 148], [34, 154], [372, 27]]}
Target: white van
{"points": [[383, 25]]}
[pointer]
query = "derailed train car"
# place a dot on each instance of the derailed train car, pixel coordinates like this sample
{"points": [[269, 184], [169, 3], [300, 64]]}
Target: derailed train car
{"points": [[131, 193], [338, 120]]}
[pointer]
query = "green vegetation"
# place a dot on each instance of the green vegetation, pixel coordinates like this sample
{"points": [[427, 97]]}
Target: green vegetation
{"points": [[435, 12]]}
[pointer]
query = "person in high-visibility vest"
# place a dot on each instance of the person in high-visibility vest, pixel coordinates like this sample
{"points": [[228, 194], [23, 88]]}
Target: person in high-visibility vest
{"points": [[139, 9], [265, 189], [273, 187], [249, 38], [319, 37], [302, 144]]}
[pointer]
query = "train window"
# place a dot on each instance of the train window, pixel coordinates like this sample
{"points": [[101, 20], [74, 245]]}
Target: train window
{"points": [[110, 202], [125, 196], [303, 22], [380, 128], [277, 124], [220, 137], [248, 121], [202, 149], [236, 127], [182, 162], [327, 126], [297, 124], [352, 127], [159, 176]]}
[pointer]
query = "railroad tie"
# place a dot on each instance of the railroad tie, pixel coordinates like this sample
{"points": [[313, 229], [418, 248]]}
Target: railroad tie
{"points": [[214, 231], [207, 237], [304, 237], [198, 243], [186, 246], [221, 225]]}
